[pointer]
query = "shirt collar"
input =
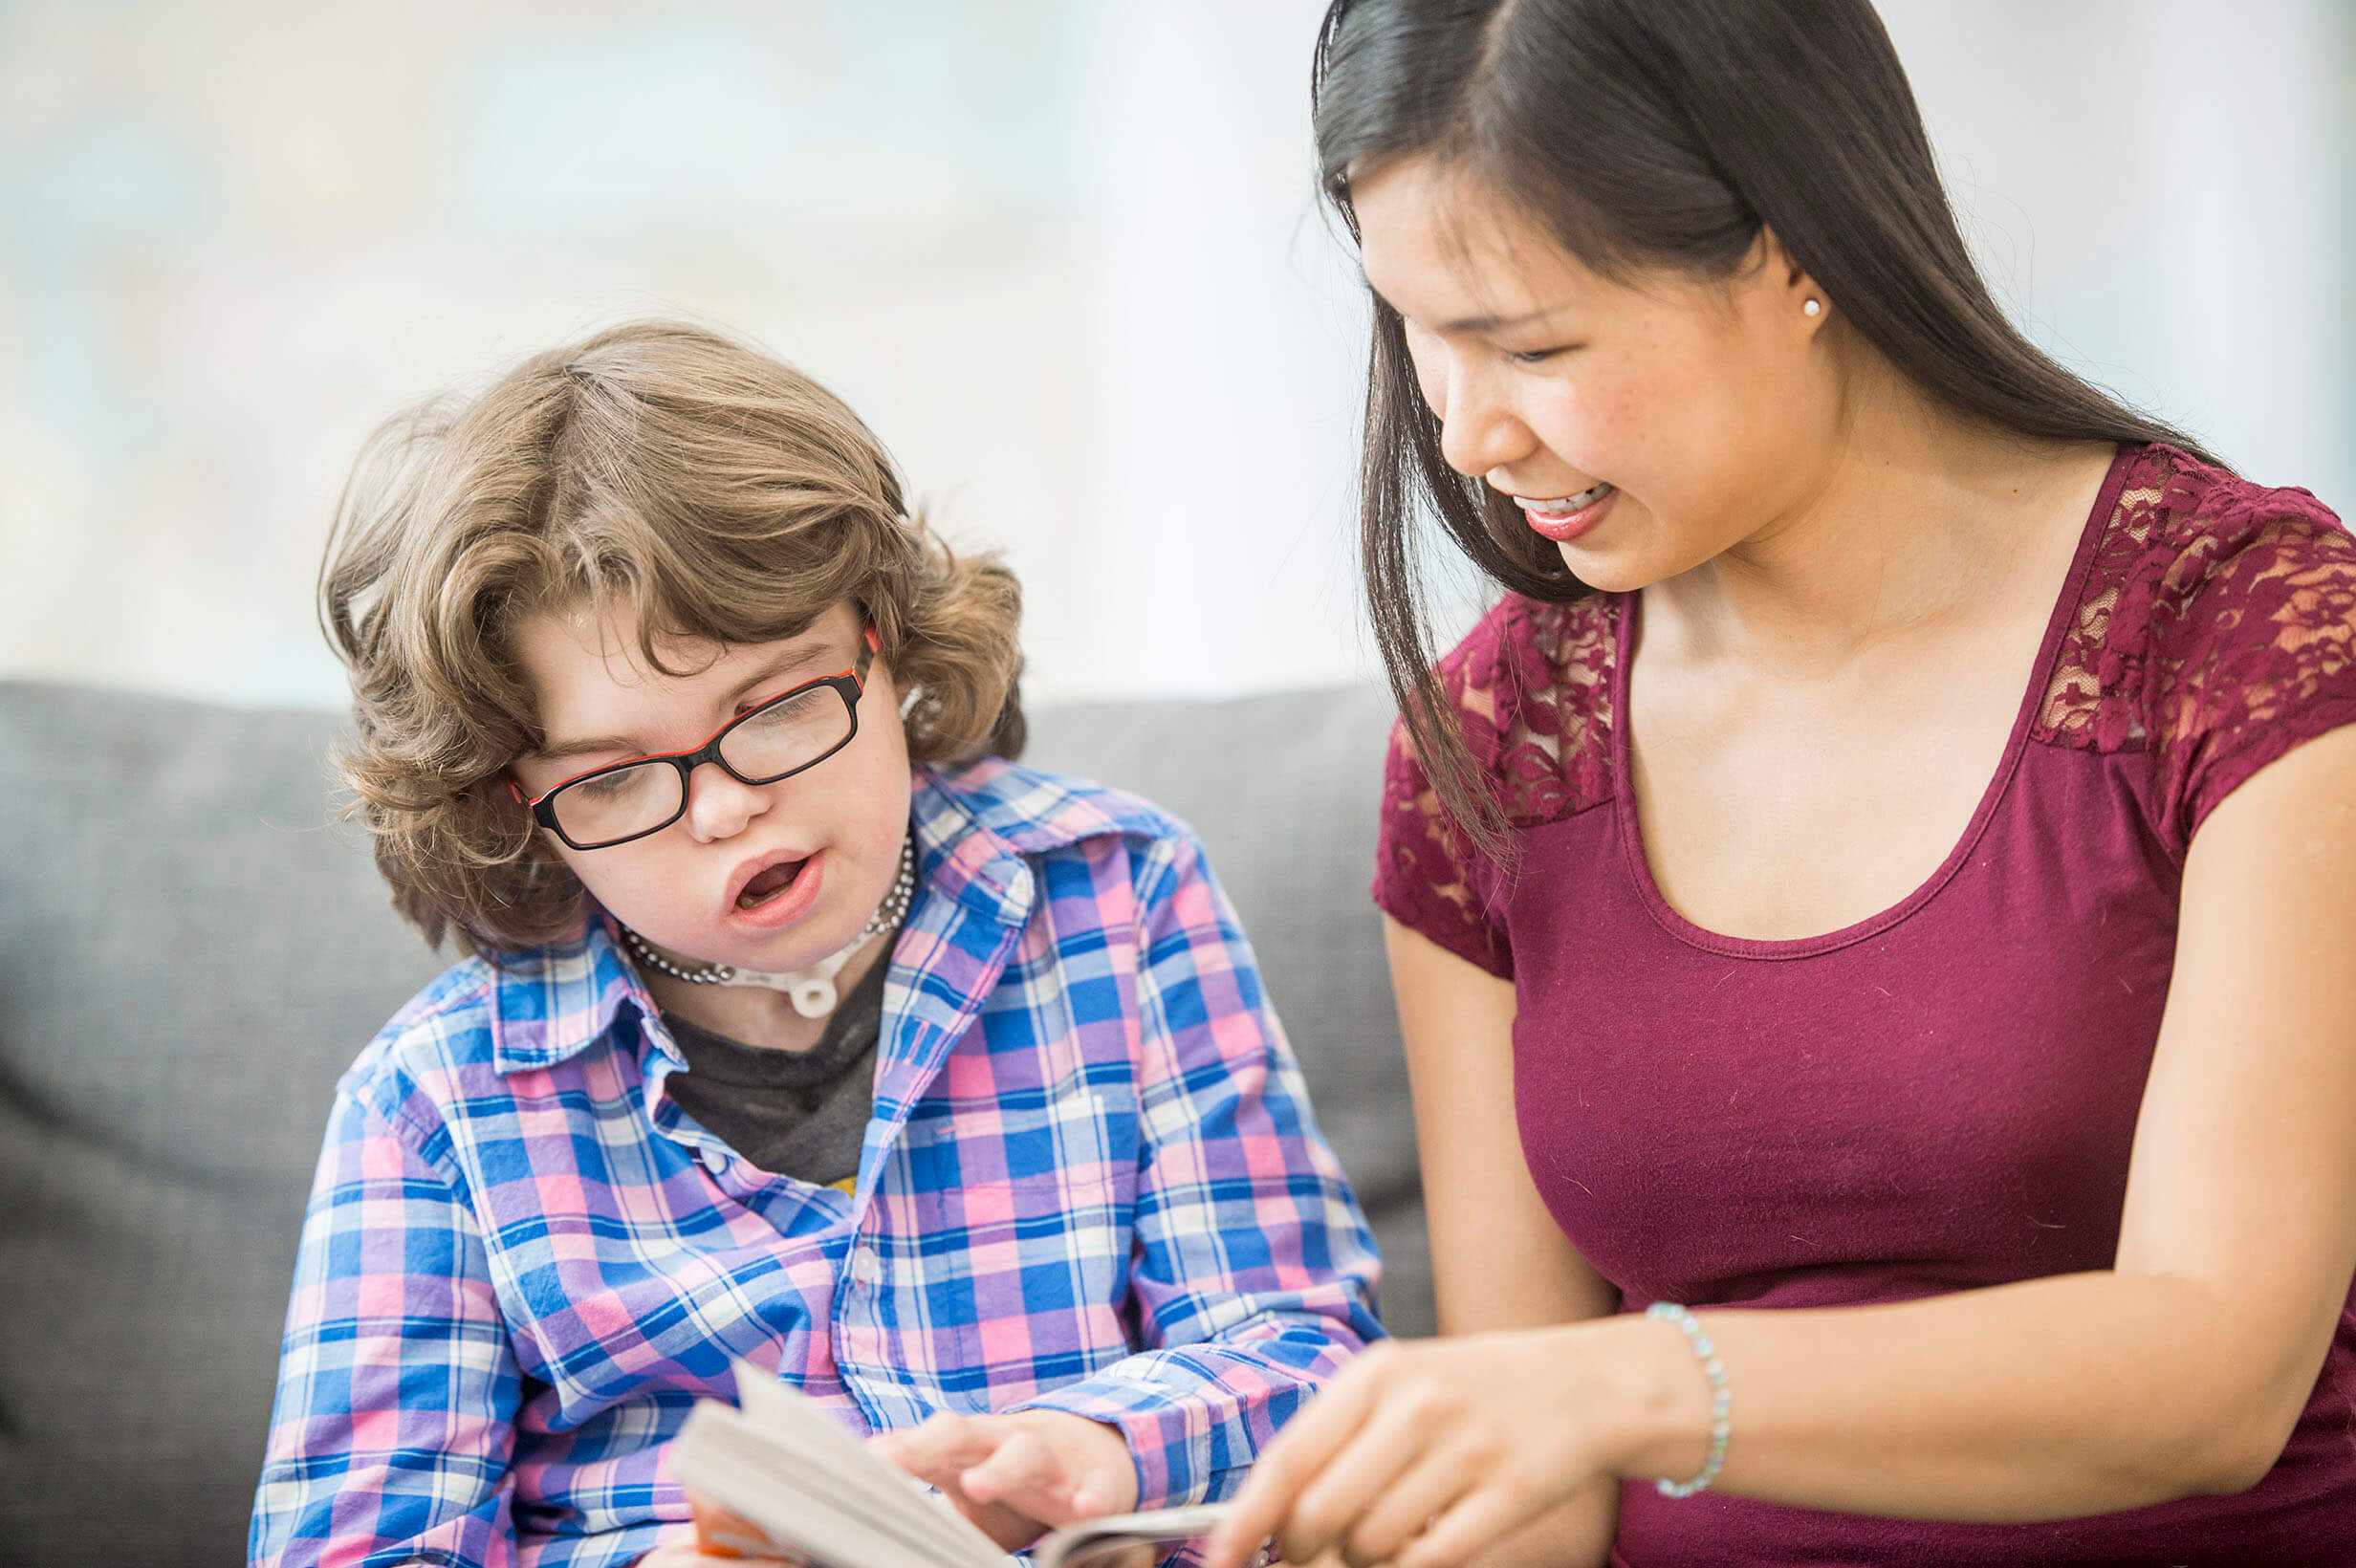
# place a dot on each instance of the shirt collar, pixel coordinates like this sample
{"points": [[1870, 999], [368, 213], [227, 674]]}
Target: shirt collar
{"points": [[548, 1004]]}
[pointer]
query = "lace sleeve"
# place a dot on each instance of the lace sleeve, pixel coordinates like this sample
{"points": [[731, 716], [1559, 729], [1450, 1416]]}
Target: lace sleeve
{"points": [[1427, 876], [2251, 639]]}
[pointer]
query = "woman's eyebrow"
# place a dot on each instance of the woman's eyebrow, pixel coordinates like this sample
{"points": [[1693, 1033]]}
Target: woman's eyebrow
{"points": [[1476, 325], [784, 664], [1480, 324]]}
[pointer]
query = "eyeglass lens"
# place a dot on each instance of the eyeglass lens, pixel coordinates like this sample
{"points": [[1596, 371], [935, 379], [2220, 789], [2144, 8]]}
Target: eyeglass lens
{"points": [[764, 746]]}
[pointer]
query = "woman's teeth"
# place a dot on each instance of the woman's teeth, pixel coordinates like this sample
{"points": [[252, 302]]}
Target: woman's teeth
{"points": [[1568, 504]]}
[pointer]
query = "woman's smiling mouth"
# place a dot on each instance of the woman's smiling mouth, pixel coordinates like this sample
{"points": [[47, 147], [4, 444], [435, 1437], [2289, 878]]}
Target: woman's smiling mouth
{"points": [[1566, 517]]}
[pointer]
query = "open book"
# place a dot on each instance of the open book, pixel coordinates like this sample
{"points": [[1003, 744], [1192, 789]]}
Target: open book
{"points": [[782, 1466]]}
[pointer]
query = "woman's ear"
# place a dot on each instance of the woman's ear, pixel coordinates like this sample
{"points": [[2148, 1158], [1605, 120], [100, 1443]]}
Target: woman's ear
{"points": [[1788, 281]]}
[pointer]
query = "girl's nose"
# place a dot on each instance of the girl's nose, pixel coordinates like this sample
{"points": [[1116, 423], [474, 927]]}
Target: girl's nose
{"points": [[718, 805]]}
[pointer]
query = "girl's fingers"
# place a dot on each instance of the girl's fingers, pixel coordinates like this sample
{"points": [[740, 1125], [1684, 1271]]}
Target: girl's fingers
{"points": [[724, 1537], [1478, 1521], [1301, 1450], [1022, 1471], [940, 1449]]}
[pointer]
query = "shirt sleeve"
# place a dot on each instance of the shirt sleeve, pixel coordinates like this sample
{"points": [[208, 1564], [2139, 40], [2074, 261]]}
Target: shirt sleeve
{"points": [[2254, 646], [1254, 1272], [1428, 877], [390, 1437]]}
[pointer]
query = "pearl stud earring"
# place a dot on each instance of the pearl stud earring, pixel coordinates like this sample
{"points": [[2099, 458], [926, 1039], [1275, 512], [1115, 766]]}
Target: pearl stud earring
{"points": [[1813, 307]]}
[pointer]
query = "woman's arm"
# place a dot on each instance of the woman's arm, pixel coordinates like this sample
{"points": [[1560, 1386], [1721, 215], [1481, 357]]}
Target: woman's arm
{"points": [[2181, 1370], [1499, 1260]]}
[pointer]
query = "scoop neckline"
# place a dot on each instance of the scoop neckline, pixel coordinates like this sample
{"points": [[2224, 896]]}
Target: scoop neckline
{"points": [[1639, 867]]}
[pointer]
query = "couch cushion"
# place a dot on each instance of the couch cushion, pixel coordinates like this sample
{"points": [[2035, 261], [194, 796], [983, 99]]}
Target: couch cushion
{"points": [[189, 958], [190, 954]]}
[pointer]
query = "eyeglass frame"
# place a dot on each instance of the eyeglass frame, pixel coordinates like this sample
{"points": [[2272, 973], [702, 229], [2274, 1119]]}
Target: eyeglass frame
{"points": [[851, 685]]}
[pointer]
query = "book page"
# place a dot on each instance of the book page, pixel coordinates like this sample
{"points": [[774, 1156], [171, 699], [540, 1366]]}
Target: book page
{"points": [[782, 1464]]}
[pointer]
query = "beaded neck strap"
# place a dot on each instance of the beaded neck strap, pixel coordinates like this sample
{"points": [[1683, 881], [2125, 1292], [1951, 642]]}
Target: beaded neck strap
{"points": [[810, 991]]}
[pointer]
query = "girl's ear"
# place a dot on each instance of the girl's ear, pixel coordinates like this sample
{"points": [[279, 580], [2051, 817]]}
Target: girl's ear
{"points": [[875, 644]]}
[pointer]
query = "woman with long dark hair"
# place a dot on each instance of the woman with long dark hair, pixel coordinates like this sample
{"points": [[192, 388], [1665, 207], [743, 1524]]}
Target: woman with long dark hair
{"points": [[1870, 907]]}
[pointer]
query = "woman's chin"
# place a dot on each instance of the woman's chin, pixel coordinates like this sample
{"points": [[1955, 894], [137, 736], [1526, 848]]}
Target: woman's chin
{"points": [[1607, 571]]}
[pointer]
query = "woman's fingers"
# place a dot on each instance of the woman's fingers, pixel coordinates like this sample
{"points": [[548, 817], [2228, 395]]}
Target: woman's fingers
{"points": [[1479, 1519], [1302, 1450], [1327, 1514], [1399, 1513]]}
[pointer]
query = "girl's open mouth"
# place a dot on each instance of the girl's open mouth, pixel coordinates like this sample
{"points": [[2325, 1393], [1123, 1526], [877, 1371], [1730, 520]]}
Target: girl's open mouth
{"points": [[778, 895], [769, 883]]}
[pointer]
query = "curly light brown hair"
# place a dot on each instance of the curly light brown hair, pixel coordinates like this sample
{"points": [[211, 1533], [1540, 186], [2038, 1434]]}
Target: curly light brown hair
{"points": [[720, 495]]}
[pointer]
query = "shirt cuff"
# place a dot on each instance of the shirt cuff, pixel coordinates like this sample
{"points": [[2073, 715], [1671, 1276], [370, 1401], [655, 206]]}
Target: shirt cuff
{"points": [[1169, 1412]]}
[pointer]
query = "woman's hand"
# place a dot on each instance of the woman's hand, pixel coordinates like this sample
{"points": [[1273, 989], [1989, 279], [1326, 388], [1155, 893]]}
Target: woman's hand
{"points": [[1017, 1476], [1423, 1454]]}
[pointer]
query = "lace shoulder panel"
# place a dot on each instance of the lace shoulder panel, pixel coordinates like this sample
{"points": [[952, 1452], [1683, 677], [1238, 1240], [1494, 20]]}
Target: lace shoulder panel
{"points": [[1531, 686], [2216, 630]]}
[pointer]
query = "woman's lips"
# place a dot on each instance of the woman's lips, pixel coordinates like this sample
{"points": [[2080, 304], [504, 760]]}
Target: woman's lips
{"points": [[784, 904], [1566, 519]]}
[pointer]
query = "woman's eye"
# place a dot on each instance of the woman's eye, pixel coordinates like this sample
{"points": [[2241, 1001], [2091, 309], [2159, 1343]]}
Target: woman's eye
{"points": [[1533, 355]]}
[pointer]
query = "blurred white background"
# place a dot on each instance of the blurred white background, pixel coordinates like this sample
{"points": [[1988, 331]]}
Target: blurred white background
{"points": [[1061, 253]]}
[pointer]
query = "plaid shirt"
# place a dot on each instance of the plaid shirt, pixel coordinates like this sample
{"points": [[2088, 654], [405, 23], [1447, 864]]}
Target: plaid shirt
{"points": [[1091, 1182]]}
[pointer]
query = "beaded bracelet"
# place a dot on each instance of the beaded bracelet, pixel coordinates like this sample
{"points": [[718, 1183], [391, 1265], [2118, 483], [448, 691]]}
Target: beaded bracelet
{"points": [[1707, 1350]]}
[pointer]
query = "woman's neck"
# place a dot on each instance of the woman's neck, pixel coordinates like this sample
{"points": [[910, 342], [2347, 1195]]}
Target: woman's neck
{"points": [[1916, 518]]}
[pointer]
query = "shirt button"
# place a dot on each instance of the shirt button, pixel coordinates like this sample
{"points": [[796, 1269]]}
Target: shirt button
{"points": [[866, 1267], [714, 1160]]}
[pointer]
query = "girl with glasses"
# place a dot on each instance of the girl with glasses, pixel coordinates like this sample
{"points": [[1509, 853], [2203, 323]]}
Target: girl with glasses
{"points": [[796, 1025]]}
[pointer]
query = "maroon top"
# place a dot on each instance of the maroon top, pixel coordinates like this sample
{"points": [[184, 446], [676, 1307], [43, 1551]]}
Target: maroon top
{"points": [[1941, 1097]]}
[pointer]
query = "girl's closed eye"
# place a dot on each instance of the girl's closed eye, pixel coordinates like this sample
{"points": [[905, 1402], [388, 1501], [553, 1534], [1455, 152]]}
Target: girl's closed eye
{"points": [[615, 786], [799, 711]]}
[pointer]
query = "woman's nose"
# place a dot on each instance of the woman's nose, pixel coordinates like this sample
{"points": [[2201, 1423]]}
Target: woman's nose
{"points": [[719, 805], [1478, 431]]}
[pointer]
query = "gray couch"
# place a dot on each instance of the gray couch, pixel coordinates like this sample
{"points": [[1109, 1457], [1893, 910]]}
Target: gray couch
{"points": [[190, 954]]}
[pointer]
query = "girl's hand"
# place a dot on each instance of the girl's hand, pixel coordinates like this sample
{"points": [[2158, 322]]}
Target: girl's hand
{"points": [[722, 1540], [1017, 1476], [1425, 1454]]}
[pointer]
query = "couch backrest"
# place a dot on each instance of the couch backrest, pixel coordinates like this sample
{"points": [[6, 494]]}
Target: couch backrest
{"points": [[190, 954]]}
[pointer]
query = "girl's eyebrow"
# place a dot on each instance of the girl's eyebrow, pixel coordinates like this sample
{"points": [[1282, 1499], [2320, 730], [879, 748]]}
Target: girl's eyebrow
{"points": [[792, 659]]}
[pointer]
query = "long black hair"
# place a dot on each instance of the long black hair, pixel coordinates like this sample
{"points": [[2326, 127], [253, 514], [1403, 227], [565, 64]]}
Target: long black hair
{"points": [[1652, 135]]}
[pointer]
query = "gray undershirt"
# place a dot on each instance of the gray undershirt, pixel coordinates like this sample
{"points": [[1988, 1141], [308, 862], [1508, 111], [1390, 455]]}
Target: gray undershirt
{"points": [[795, 1112]]}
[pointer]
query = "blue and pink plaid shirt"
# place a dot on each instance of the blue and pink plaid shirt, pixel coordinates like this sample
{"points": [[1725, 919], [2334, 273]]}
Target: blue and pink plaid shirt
{"points": [[1091, 1182]]}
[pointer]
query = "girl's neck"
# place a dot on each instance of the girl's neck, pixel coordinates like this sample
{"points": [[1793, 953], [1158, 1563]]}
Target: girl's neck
{"points": [[754, 1015], [1916, 519]]}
